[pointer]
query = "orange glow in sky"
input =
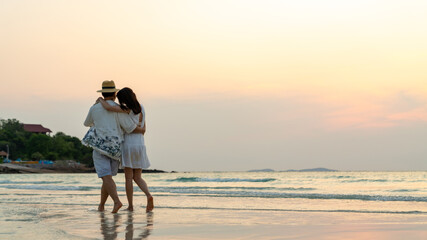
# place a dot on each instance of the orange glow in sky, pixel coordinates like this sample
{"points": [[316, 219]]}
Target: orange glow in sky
{"points": [[350, 64]]}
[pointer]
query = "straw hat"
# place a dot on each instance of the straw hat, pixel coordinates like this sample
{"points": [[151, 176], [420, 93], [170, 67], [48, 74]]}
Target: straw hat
{"points": [[108, 86]]}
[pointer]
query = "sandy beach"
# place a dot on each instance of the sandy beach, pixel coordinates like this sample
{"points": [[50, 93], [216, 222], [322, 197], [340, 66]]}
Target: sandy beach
{"points": [[212, 205], [76, 222]]}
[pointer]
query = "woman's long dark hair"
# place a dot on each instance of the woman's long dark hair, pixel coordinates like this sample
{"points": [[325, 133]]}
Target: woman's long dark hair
{"points": [[128, 101]]}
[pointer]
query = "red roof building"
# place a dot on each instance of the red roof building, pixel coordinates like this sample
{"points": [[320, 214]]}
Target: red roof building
{"points": [[36, 128]]}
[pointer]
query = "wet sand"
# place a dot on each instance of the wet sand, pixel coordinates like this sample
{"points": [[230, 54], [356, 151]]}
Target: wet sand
{"points": [[26, 221]]}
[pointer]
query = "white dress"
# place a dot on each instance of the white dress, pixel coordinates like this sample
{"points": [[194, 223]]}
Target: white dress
{"points": [[134, 154]]}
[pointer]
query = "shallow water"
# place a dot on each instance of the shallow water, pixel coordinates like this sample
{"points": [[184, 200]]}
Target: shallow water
{"points": [[53, 206], [389, 192]]}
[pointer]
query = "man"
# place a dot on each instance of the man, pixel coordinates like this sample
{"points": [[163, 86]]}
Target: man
{"points": [[109, 124]]}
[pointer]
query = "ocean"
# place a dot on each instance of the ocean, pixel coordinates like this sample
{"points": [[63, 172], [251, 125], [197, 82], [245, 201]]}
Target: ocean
{"points": [[66, 203]]}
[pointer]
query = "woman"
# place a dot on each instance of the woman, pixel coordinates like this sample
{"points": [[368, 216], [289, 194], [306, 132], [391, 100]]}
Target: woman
{"points": [[134, 156]]}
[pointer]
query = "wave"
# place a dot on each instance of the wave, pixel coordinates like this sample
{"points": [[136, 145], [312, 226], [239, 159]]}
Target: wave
{"points": [[245, 192], [297, 189], [405, 190], [263, 194], [356, 197], [29, 182], [166, 189], [183, 190], [295, 210], [197, 179], [368, 180], [339, 177], [49, 187], [225, 208], [52, 203]]}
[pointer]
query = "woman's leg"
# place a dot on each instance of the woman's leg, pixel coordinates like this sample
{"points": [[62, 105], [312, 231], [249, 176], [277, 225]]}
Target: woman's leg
{"points": [[129, 187], [143, 186]]}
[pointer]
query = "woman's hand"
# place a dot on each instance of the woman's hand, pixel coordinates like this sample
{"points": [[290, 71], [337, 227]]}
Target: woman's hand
{"points": [[109, 107], [97, 101]]}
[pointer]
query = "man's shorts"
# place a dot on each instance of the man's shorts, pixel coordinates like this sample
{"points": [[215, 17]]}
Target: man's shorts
{"points": [[104, 165]]}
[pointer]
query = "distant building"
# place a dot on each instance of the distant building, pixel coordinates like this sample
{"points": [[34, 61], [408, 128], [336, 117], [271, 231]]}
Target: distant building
{"points": [[36, 128], [3, 154]]}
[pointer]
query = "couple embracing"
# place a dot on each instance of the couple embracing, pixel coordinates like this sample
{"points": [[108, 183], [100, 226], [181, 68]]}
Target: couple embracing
{"points": [[116, 135]]}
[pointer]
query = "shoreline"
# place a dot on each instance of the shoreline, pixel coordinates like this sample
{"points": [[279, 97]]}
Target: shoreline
{"points": [[9, 168]]}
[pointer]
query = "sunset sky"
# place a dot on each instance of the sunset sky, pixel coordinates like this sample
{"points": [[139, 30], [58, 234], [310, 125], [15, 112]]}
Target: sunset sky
{"points": [[230, 84]]}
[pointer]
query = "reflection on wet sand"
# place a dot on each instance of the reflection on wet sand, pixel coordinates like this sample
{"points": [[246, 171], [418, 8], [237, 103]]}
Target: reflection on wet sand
{"points": [[146, 230], [110, 228]]}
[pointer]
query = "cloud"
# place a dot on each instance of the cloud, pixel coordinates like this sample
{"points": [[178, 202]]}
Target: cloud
{"points": [[397, 109]]}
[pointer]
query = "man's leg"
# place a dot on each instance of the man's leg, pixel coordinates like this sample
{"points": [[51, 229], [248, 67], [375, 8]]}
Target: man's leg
{"points": [[102, 168], [106, 168], [104, 197], [110, 187]]}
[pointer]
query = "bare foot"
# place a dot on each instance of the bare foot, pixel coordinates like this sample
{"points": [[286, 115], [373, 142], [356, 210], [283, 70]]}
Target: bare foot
{"points": [[101, 208], [130, 208], [150, 204], [117, 206]]}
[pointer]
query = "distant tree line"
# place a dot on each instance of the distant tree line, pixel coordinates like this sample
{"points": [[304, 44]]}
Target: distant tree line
{"points": [[36, 146]]}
